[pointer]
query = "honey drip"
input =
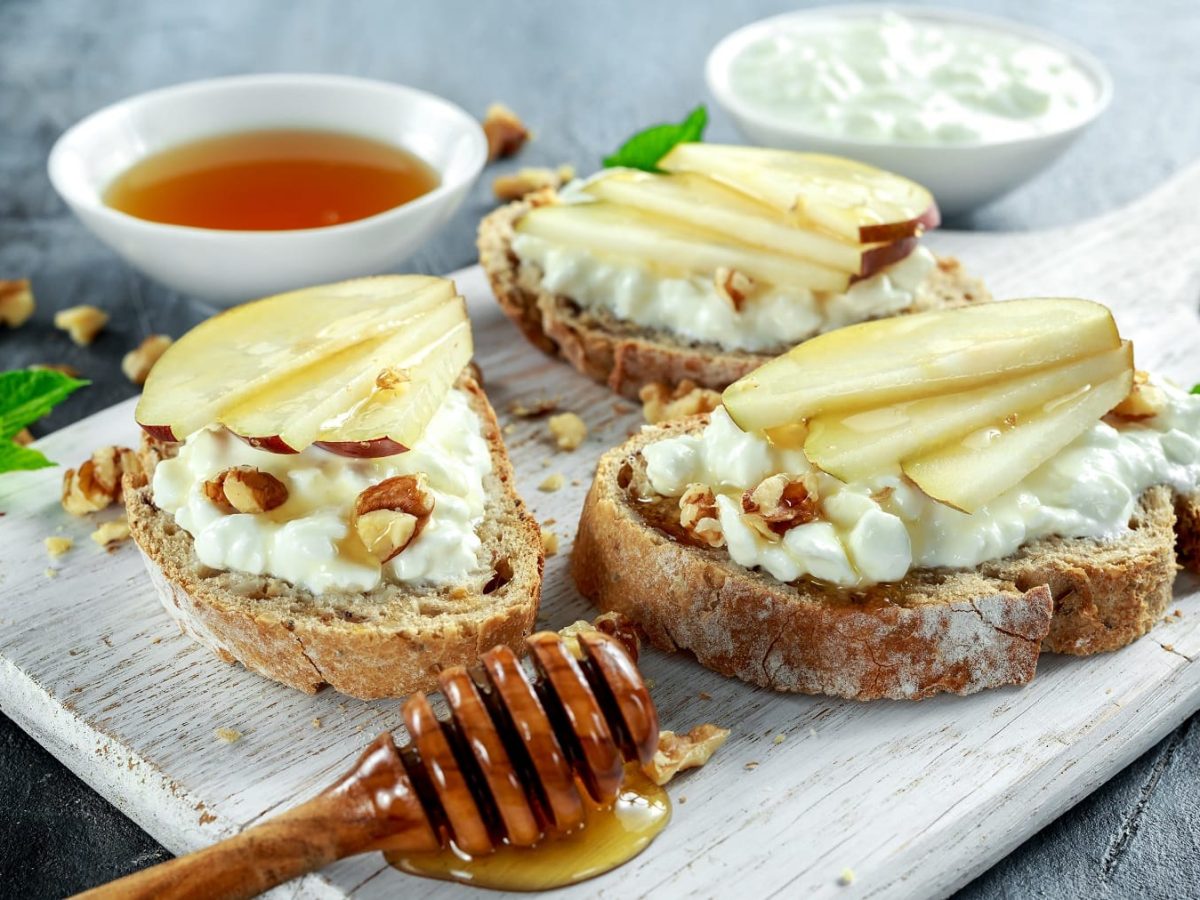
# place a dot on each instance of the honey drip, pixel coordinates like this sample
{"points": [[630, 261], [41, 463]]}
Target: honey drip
{"points": [[609, 837]]}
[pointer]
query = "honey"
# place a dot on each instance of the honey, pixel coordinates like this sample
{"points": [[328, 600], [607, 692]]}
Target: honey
{"points": [[272, 180], [610, 836]]}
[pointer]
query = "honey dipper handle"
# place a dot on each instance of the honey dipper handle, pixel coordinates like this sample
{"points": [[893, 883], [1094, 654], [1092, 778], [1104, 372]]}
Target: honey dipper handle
{"points": [[371, 807]]}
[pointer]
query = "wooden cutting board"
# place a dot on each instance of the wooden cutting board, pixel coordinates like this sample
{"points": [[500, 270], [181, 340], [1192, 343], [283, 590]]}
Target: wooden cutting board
{"points": [[916, 799]]}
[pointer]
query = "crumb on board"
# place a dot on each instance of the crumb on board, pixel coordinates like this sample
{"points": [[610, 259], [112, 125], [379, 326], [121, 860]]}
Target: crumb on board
{"points": [[549, 542], [50, 572], [112, 532], [847, 877], [779, 739], [57, 545], [510, 428], [1170, 648], [568, 430], [752, 765], [316, 723], [552, 483], [704, 695], [228, 735], [531, 409]]}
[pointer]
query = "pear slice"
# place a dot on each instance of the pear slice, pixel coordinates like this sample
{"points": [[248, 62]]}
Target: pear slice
{"points": [[672, 246], [851, 200], [970, 471], [863, 444], [903, 358], [239, 353]]}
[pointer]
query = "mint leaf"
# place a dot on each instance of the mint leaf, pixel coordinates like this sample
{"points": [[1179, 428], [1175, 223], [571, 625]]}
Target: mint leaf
{"points": [[14, 457], [646, 148], [26, 395], [1195, 389]]}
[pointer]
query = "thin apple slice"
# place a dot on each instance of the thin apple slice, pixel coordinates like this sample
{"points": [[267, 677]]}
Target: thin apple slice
{"points": [[970, 471], [910, 357], [852, 200], [863, 444], [621, 231], [239, 353]]}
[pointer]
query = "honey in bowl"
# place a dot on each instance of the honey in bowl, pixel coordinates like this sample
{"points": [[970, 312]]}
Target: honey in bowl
{"points": [[271, 180]]}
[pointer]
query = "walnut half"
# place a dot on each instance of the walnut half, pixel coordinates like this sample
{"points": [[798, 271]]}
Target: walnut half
{"points": [[390, 515], [780, 503], [1143, 401], [688, 751], [245, 489], [698, 515]]}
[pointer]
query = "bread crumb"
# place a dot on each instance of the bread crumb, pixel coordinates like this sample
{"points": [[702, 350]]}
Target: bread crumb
{"points": [[621, 409], [510, 428], [504, 130], [552, 483], [689, 751], [846, 878], [575, 482], [112, 532], [752, 765], [228, 735], [650, 684], [1178, 614], [682, 799], [81, 323], [550, 521], [50, 572], [704, 695], [57, 546], [316, 723], [359, 729], [779, 739], [138, 362], [1170, 648], [568, 430], [549, 542], [527, 181], [16, 302], [533, 408]]}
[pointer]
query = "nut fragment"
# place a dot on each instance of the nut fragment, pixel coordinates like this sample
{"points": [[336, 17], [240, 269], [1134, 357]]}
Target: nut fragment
{"points": [[82, 323], [97, 483], [531, 409], [138, 362], [390, 515], [661, 402], [505, 131], [698, 515], [23, 438], [689, 751], [568, 430], [111, 532], [552, 482], [549, 542], [228, 735], [527, 181], [57, 367], [56, 545], [16, 302], [734, 287], [245, 489], [1144, 400], [780, 503], [392, 379]]}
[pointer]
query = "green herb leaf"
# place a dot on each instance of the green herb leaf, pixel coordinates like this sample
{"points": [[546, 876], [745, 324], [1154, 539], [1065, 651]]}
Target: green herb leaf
{"points": [[14, 458], [26, 395], [1195, 389], [646, 148]]}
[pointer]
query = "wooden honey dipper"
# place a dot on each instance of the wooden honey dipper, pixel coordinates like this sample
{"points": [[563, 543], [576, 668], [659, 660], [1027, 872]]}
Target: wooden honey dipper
{"points": [[504, 768]]}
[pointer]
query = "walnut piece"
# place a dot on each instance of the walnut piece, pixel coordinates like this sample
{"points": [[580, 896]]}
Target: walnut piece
{"points": [[661, 402], [531, 409], [523, 182], [568, 430], [733, 287], [245, 489], [16, 302], [689, 751], [780, 503], [82, 323], [612, 624], [1144, 399], [112, 532], [698, 515], [549, 542], [138, 362], [57, 367], [97, 483], [390, 515], [505, 132], [56, 545], [23, 438]]}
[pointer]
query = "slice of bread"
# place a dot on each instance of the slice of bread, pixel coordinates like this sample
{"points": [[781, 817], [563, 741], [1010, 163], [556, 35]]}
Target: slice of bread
{"points": [[937, 630], [624, 356], [386, 643]]}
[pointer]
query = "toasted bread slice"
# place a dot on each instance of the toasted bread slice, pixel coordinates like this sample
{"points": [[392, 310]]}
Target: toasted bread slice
{"points": [[937, 630], [386, 643], [624, 356]]}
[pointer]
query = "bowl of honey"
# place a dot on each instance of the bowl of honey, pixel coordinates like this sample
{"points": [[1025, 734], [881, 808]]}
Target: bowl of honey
{"points": [[235, 188]]}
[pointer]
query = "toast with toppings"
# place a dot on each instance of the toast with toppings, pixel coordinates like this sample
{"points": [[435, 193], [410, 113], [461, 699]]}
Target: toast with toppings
{"points": [[816, 601]]}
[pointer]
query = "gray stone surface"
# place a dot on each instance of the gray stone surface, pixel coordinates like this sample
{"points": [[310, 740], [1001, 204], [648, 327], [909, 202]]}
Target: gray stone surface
{"points": [[584, 75]]}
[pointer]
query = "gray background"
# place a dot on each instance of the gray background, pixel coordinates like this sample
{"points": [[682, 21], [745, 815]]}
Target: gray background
{"points": [[584, 75]]}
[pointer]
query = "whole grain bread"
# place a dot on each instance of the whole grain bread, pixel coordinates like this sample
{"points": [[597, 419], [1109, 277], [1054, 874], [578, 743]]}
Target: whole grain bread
{"points": [[937, 630], [624, 356], [387, 642]]}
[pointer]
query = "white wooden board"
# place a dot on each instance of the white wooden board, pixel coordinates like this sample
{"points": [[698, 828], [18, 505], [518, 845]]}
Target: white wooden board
{"points": [[915, 798]]}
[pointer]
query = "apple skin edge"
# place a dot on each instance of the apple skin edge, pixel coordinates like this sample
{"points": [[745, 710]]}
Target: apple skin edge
{"points": [[886, 232], [271, 444], [879, 258], [372, 449], [160, 433]]}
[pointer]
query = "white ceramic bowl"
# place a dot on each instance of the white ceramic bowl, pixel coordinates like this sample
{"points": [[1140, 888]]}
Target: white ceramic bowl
{"points": [[228, 267], [961, 176]]}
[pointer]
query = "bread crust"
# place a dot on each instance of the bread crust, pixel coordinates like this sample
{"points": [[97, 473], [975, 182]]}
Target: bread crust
{"points": [[625, 357], [385, 644], [937, 631]]}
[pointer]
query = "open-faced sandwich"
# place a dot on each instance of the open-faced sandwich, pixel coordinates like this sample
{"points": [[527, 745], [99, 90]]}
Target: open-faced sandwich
{"points": [[721, 260], [327, 497], [908, 506]]}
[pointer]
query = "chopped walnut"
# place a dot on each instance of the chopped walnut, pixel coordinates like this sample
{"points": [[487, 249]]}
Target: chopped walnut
{"points": [[779, 503], [689, 751], [528, 181], [97, 483], [112, 532], [698, 515], [661, 402], [390, 515], [568, 430], [1144, 400], [245, 489], [612, 624], [530, 409], [505, 132], [82, 323], [734, 287], [549, 542], [56, 545], [138, 362], [16, 302]]}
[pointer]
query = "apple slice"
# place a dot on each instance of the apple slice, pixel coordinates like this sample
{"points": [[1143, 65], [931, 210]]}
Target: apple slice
{"points": [[968, 472], [923, 355], [863, 444], [239, 353], [314, 403], [852, 200], [621, 231]]}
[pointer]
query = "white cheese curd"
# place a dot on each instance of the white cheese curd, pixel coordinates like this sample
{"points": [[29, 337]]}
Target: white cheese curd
{"points": [[692, 308], [888, 77], [307, 540], [875, 531]]}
